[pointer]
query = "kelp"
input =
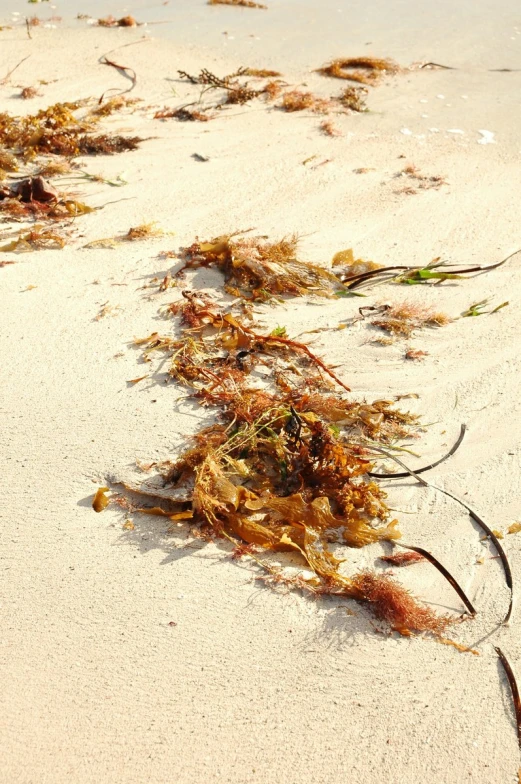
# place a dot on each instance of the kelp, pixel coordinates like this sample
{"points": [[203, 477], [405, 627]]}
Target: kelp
{"points": [[434, 273], [513, 688], [258, 270], [366, 70]]}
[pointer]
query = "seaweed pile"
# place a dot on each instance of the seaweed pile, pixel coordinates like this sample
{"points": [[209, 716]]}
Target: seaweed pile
{"points": [[289, 463], [45, 144], [285, 466]]}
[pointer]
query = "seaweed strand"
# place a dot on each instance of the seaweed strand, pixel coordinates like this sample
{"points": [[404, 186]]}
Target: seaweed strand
{"points": [[513, 688], [439, 566]]}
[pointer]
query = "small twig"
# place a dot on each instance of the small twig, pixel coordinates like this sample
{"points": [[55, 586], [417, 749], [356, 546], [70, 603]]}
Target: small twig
{"points": [[513, 688], [434, 561], [28, 28], [427, 467], [438, 65], [9, 73]]}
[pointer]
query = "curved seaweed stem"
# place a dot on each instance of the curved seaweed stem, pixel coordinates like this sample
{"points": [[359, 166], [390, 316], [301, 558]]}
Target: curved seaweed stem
{"points": [[404, 474], [513, 688], [502, 555], [445, 572]]}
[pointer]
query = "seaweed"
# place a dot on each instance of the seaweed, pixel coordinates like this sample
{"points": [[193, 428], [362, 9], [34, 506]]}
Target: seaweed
{"points": [[452, 450], [329, 128], [366, 70], [353, 98], [36, 239], [125, 21], [434, 561], [29, 92], [183, 114], [513, 688], [422, 181], [258, 270], [297, 101], [57, 131], [434, 273], [405, 319], [100, 500], [403, 559], [143, 232], [243, 3]]}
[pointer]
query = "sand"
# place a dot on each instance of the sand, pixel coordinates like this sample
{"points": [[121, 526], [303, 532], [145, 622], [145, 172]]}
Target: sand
{"points": [[250, 685]]}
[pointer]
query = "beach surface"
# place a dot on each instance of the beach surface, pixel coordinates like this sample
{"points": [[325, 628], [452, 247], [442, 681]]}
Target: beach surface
{"points": [[135, 655]]}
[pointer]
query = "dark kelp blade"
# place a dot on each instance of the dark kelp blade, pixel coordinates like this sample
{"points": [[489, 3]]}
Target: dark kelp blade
{"points": [[513, 688], [405, 474], [445, 572]]}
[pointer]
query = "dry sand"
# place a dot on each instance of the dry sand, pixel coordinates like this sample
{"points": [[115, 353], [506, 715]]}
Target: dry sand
{"points": [[251, 685]]}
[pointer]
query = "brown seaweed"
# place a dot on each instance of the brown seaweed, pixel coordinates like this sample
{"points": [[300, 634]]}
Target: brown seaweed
{"points": [[100, 500], [257, 269], [243, 3], [513, 688], [366, 70]]}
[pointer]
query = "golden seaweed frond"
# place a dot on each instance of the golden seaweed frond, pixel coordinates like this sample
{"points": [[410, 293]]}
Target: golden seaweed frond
{"points": [[258, 269]]}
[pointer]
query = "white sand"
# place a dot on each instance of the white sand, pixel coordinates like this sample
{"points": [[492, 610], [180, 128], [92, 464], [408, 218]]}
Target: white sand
{"points": [[251, 685]]}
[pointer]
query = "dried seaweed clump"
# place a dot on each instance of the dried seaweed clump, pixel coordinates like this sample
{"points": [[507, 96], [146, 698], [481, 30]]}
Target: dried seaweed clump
{"points": [[297, 101], [34, 197], [390, 602], [365, 70], [404, 319], [143, 232], [56, 130], [29, 92], [281, 469], [243, 3], [259, 269], [125, 21], [353, 98], [38, 238]]}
